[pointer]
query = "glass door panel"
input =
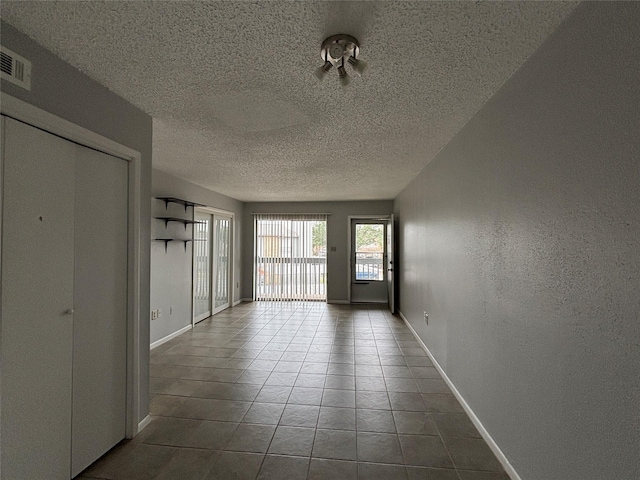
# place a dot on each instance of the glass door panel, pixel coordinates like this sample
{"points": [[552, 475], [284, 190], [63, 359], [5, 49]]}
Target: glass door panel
{"points": [[221, 250], [202, 266]]}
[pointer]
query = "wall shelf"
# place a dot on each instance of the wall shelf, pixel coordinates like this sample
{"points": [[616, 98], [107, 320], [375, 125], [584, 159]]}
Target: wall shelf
{"points": [[179, 201], [184, 221]]}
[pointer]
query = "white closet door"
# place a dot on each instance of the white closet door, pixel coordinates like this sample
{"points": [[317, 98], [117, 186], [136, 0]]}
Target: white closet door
{"points": [[37, 295], [100, 302]]}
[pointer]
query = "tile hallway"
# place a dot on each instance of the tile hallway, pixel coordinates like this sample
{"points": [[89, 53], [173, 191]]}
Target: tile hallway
{"points": [[294, 390]]}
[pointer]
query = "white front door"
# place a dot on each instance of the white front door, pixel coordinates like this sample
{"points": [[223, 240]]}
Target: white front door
{"points": [[390, 260], [368, 269]]}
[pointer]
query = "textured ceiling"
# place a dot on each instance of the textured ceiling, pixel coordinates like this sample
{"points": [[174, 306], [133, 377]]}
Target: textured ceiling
{"points": [[236, 106]]}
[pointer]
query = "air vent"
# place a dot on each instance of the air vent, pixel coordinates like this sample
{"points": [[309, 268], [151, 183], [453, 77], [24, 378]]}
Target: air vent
{"points": [[15, 69]]}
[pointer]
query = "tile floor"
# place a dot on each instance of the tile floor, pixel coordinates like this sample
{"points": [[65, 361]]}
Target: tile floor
{"points": [[293, 390]]}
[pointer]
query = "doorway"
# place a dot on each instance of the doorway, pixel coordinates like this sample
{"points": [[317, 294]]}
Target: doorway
{"points": [[371, 260]]}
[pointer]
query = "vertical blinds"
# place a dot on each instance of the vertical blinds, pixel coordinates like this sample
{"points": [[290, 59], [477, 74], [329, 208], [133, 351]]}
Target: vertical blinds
{"points": [[290, 258]]}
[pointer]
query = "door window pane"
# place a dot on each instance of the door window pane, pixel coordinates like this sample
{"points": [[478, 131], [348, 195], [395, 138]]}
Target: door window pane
{"points": [[369, 243]]}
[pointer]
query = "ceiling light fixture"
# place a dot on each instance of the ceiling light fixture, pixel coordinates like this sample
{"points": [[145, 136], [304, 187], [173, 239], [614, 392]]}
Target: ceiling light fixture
{"points": [[338, 50]]}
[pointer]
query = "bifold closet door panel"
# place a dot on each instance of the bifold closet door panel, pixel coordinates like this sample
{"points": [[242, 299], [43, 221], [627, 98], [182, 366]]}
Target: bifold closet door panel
{"points": [[37, 298], [100, 298]]}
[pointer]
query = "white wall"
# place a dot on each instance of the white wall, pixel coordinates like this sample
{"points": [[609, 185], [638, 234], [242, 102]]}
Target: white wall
{"points": [[521, 241], [337, 234], [171, 270]]}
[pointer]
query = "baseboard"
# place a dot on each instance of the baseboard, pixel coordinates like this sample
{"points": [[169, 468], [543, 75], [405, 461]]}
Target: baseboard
{"points": [[246, 299], [237, 302], [483, 431], [339, 302], [145, 421], [169, 337]]}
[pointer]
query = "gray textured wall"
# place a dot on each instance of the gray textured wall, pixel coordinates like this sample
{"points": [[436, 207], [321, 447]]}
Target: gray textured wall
{"points": [[62, 90], [171, 270], [521, 241], [337, 234]]}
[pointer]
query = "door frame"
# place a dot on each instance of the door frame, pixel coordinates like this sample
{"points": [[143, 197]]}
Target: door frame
{"points": [[383, 219], [36, 117], [231, 278]]}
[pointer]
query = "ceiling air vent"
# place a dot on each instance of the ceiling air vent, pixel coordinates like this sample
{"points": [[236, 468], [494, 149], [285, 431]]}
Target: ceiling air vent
{"points": [[15, 69]]}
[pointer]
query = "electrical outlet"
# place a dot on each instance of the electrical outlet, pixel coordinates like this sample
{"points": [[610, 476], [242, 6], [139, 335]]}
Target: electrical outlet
{"points": [[170, 310], [426, 317], [154, 314]]}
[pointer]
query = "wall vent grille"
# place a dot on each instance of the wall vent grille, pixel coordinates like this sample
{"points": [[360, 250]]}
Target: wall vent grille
{"points": [[15, 69]]}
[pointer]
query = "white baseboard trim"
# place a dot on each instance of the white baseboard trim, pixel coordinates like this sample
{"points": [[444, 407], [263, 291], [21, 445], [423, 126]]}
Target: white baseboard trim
{"points": [[145, 421], [237, 302], [246, 299], [476, 421], [339, 302], [157, 343]]}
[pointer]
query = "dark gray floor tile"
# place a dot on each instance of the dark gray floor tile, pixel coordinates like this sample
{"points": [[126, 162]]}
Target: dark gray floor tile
{"points": [[376, 384], [324, 469], [314, 368], [211, 409], [403, 385], [284, 379], [190, 433], [336, 418], [424, 372], [414, 423], [477, 475], [236, 466], [264, 413], [374, 471], [255, 377], [165, 405], [373, 400], [335, 444], [311, 380], [379, 448], [341, 369], [368, 371], [262, 365], [288, 366], [424, 450], [300, 416], [432, 385], [455, 425], [398, 360], [131, 460], [442, 403], [472, 454], [340, 382], [189, 464], [396, 371], [407, 401], [251, 438], [369, 420], [306, 396], [273, 394], [427, 473], [277, 467], [339, 398], [292, 441]]}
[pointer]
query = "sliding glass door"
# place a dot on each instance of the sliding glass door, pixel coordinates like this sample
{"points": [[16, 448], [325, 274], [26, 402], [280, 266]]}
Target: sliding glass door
{"points": [[290, 257], [211, 263]]}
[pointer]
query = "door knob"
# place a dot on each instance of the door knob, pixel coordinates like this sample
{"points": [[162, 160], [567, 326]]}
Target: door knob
{"points": [[70, 311]]}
